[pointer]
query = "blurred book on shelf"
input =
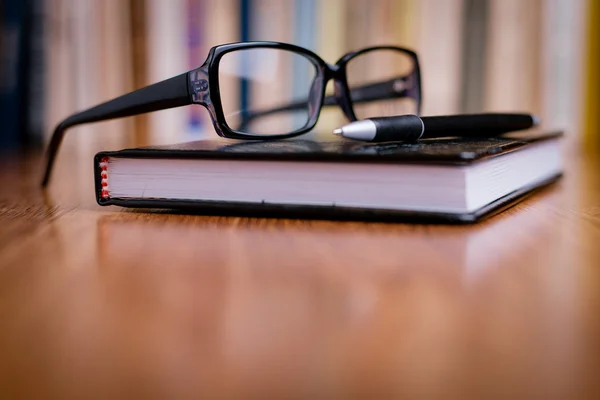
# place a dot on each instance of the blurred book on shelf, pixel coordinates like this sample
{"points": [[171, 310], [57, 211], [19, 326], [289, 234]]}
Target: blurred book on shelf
{"points": [[139, 63], [476, 56], [592, 79], [89, 61], [21, 73]]}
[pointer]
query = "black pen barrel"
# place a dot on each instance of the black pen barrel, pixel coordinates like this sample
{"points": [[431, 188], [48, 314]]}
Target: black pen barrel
{"points": [[404, 128], [476, 125]]}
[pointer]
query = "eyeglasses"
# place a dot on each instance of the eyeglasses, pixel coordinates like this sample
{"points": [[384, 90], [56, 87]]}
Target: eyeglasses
{"points": [[269, 90]]}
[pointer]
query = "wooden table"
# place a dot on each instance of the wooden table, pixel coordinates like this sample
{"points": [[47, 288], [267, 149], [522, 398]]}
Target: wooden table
{"points": [[105, 302]]}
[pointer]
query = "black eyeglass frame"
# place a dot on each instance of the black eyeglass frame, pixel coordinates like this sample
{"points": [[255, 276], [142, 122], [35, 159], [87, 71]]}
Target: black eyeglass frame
{"points": [[201, 86]]}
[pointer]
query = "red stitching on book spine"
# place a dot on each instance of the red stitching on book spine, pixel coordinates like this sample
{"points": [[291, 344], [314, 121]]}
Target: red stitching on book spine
{"points": [[104, 176]]}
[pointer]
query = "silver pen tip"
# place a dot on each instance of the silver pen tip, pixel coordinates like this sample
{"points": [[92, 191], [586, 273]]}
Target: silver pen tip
{"points": [[337, 131]]}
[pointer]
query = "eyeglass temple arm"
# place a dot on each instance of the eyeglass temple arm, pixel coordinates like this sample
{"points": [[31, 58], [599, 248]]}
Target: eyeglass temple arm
{"points": [[393, 88], [169, 93]]}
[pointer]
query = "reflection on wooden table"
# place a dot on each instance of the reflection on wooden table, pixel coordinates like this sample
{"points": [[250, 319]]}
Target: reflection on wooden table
{"points": [[104, 302]]}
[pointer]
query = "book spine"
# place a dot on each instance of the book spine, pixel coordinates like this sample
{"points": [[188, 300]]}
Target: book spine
{"points": [[592, 77], [513, 68], [36, 77], [331, 42], [86, 19], [245, 35], [105, 190], [101, 178], [222, 26], [167, 57], [474, 55], [561, 60], [114, 59], [13, 60], [403, 24], [196, 54], [441, 85], [139, 58], [304, 35]]}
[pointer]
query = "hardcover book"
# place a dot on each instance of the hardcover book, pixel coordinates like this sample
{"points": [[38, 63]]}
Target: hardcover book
{"points": [[449, 180]]}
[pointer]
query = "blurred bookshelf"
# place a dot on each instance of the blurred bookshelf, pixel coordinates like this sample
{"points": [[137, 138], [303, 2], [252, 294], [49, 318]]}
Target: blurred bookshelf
{"points": [[592, 79], [62, 56]]}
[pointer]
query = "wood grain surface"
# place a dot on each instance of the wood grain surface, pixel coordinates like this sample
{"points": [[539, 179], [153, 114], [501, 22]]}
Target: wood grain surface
{"points": [[112, 303]]}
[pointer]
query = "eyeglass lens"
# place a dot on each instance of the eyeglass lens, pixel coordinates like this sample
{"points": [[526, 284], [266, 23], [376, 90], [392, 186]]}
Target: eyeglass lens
{"points": [[266, 91], [388, 73]]}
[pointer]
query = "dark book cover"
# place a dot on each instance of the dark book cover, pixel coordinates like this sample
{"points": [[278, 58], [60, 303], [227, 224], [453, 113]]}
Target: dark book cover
{"points": [[451, 151], [438, 151]]}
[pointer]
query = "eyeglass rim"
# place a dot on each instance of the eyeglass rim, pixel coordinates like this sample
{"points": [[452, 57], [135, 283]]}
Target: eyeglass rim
{"points": [[415, 73], [213, 62], [325, 72]]}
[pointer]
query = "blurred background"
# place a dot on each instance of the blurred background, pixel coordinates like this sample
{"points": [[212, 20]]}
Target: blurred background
{"points": [[62, 56]]}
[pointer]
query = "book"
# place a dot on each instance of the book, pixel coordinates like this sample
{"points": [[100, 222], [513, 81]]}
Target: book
{"points": [[331, 32], [34, 80], [448, 180], [513, 71], [14, 19], [60, 68], [139, 64], [22, 74], [114, 63], [167, 53], [441, 61], [196, 52], [591, 121], [561, 65], [474, 55], [88, 61]]}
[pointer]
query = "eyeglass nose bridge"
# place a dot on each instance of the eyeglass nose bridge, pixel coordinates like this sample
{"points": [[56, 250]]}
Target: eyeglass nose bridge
{"points": [[341, 92], [342, 97]]}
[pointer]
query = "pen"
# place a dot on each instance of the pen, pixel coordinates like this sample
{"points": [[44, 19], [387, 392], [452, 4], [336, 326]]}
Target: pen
{"points": [[411, 127]]}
